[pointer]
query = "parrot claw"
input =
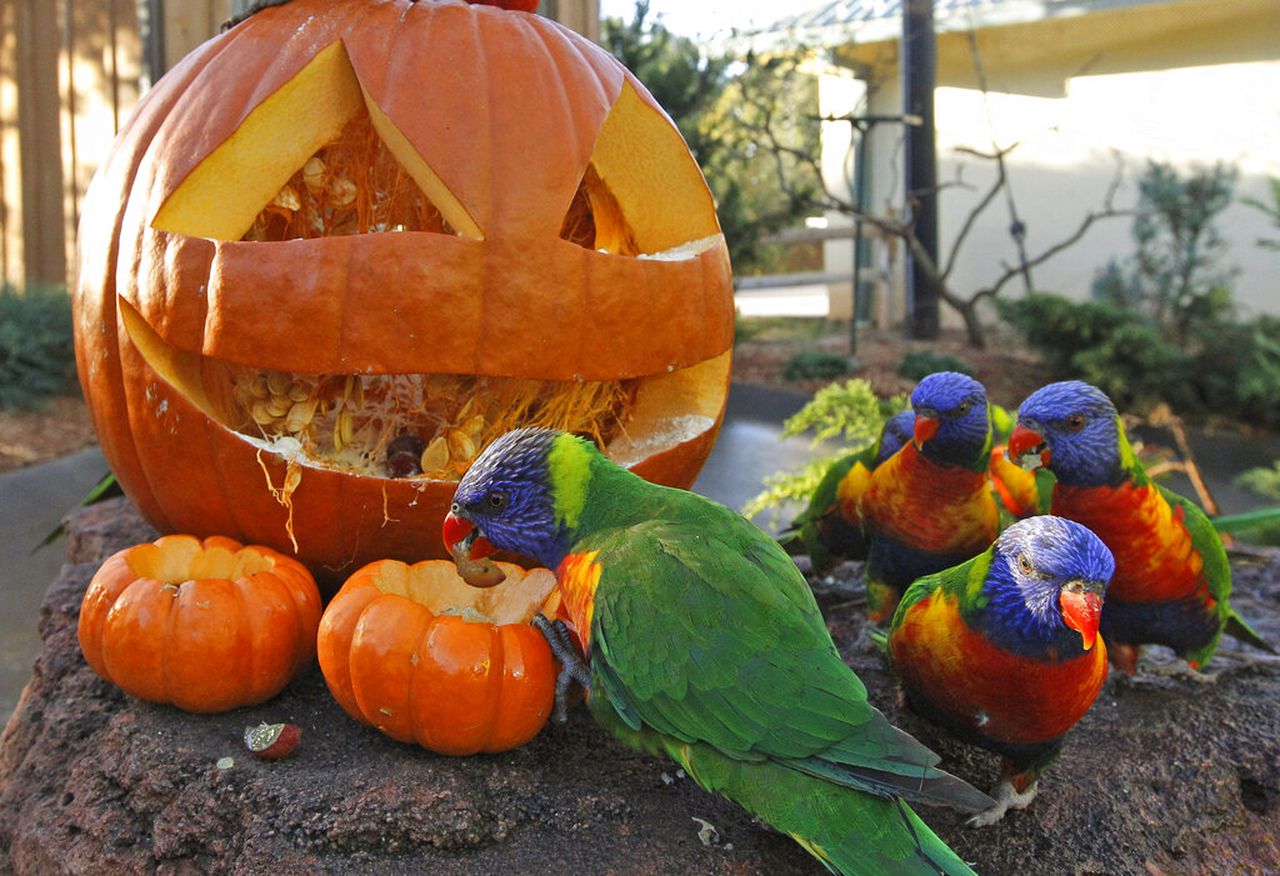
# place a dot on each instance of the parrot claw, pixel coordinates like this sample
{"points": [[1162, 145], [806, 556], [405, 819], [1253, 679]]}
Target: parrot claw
{"points": [[1006, 797], [572, 666]]}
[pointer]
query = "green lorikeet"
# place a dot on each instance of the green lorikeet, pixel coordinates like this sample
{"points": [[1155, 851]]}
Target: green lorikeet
{"points": [[830, 529], [1172, 583], [703, 642], [1002, 650], [930, 505]]}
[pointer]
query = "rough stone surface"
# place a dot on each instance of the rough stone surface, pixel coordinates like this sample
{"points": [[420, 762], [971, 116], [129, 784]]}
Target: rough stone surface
{"points": [[1164, 776]]}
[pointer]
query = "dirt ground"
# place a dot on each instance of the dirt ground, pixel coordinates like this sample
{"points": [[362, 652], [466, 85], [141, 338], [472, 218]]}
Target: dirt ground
{"points": [[1005, 367], [60, 426]]}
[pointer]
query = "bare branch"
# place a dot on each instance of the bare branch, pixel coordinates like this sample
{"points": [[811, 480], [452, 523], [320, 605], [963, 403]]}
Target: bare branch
{"points": [[972, 218]]}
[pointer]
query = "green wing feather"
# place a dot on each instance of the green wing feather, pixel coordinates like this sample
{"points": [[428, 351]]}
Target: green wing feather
{"points": [[964, 581], [1217, 569], [714, 637]]}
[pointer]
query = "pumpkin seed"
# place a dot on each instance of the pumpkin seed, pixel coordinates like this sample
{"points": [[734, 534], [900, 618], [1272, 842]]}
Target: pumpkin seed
{"points": [[287, 198], [301, 415], [461, 447], [436, 455], [314, 173]]}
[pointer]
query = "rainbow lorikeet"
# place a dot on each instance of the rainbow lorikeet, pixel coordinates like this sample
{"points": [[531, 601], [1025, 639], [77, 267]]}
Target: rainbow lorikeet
{"points": [[1002, 650], [830, 528], [930, 506], [702, 641], [1172, 583]]}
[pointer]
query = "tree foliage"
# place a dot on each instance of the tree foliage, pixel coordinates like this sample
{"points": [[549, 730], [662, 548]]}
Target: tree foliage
{"points": [[720, 106], [1176, 275]]}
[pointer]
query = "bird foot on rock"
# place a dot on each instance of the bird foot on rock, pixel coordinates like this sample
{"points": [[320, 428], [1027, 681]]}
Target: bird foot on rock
{"points": [[1006, 798], [572, 665]]}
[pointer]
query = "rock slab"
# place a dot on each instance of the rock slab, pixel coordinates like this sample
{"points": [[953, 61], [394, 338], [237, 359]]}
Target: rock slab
{"points": [[1164, 776]]}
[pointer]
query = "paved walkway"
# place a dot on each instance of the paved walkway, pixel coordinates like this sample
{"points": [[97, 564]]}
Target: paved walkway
{"points": [[33, 501]]}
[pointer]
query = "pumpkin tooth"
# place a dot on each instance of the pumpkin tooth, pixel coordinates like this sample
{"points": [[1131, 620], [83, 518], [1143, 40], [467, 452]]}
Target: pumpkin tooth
{"points": [[436, 455], [358, 393]]}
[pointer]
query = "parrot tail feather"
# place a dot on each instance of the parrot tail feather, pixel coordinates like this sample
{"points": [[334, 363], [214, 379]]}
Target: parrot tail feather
{"points": [[929, 785], [853, 832], [1236, 628]]}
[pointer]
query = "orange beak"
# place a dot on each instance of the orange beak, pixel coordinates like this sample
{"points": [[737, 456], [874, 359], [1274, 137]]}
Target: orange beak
{"points": [[925, 428], [1081, 611], [1023, 441], [461, 538]]}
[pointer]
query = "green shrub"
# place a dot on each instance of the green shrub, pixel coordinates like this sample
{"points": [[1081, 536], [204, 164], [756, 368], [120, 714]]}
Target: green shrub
{"points": [[1228, 368], [37, 353], [919, 364], [1264, 482], [817, 365]]}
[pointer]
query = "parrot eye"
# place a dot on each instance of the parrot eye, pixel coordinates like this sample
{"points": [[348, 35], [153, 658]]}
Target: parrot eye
{"points": [[496, 501], [455, 508], [1075, 422], [963, 408], [1024, 564]]}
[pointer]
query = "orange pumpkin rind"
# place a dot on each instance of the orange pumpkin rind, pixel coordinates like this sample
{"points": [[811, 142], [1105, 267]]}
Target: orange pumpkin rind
{"points": [[205, 625], [426, 659], [578, 259]]}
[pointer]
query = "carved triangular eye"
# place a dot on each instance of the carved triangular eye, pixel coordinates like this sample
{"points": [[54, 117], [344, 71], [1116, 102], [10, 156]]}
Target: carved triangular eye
{"points": [[315, 159], [642, 193], [595, 220]]}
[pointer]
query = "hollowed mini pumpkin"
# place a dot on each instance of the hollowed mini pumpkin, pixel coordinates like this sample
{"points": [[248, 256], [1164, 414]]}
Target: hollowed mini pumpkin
{"points": [[205, 625], [425, 658], [343, 245]]}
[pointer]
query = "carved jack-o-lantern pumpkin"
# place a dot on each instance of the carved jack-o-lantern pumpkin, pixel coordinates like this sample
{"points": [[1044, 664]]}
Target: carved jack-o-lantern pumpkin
{"points": [[345, 244]]}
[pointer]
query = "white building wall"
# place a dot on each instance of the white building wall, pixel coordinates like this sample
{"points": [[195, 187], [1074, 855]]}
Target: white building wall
{"points": [[1065, 160]]}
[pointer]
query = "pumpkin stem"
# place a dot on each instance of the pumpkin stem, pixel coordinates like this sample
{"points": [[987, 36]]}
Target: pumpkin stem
{"points": [[254, 9], [573, 667]]}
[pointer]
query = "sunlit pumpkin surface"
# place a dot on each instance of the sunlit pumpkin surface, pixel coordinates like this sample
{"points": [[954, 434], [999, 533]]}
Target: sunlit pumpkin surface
{"points": [[365, 239]]}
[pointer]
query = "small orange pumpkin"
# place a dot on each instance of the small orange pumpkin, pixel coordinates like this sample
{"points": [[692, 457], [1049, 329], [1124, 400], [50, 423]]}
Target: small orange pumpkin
{"points": [[204, 625], [417, 653]]}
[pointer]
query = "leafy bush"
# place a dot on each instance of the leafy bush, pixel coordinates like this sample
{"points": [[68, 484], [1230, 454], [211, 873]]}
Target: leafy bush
{"points": [[1229, 368], [37, 354], [816, 365], [919, 364], [1264, 482], [850, 411]]}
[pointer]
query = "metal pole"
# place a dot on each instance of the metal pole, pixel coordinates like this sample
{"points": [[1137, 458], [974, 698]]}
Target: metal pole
{"points": [[919, 75], [859, 196]]}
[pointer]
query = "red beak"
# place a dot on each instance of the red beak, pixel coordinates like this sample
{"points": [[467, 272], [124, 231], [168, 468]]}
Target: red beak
{"points": [[461, 537], [1023, 441], [925, 428], [1081, 611]]}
